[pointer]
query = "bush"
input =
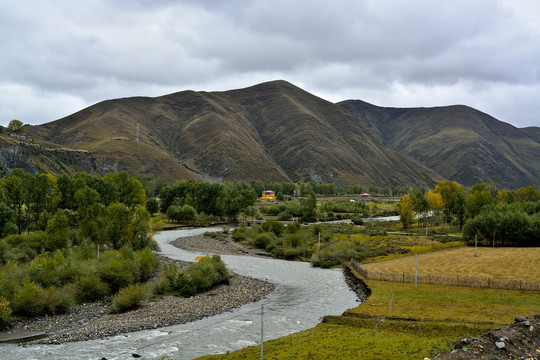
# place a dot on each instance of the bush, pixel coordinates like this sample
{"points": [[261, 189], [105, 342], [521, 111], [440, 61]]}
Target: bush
{"points": [[262, 241], [284, 215], [197, 277], [58, 300], [147, 263], [156, 224], [239, 233], [293, 240], [293, 227], [91, 288], [356, 220], [114, 273], [27, 299], [128, 298], [291, 253], [273, 226], [5, 314]]}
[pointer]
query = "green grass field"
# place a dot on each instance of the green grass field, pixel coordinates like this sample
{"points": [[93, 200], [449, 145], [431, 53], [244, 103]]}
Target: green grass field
{"points": [[421, 322]]}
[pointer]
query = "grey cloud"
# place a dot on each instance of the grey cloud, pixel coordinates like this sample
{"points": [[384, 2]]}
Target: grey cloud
{"points": [[391, 50]]}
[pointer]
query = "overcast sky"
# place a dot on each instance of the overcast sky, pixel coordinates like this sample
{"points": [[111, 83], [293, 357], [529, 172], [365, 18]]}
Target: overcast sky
{"points": [[58, 57]]}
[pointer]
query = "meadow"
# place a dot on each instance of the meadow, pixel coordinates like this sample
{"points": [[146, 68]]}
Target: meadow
{"points": [[499, 263], [399, 321]]}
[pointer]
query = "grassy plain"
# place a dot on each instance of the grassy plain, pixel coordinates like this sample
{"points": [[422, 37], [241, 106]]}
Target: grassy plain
{"points": [[499, 263], [420, 323], [399, 321]]}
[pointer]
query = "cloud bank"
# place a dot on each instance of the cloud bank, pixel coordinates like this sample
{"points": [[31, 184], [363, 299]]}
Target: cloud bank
{"points": [[61, 56]]}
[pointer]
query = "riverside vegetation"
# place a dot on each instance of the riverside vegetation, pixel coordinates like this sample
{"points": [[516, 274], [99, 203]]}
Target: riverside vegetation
{"points": [[402, 321], [70, 218], [88, 238]]}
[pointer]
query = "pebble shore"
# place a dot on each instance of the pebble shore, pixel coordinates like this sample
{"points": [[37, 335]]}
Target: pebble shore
{"points": [[93, 321]]}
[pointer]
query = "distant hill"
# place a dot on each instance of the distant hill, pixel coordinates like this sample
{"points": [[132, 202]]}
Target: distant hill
{"points": [[459, 142], [276, 131]]}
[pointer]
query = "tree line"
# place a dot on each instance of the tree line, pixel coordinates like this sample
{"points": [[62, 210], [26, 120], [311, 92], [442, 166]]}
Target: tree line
{"points": [[492, 216]]}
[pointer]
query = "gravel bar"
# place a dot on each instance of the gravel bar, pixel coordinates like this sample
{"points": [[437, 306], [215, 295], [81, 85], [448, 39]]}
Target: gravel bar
{"points": [[93, 320]]}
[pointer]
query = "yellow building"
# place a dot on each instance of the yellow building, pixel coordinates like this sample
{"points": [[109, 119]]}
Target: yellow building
{"points": [[268, 194]]}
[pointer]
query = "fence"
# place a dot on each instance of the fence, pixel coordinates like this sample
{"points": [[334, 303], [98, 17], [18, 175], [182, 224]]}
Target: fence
{"points": [[458, 280]]}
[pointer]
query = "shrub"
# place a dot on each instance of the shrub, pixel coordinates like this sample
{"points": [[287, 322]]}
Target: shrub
{"points": [[27, 299], [293, 240], [156, 224], [284, 215], [128, 298], [58, 300], [273, 226], [291, 253], [5, 314], [113, 272], [239, 233], [262, 241], [147, 263], [197, 277], [293, 227], [91, 288], [356, 220]]}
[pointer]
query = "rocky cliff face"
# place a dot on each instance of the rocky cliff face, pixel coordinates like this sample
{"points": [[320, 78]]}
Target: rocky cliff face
{"points": [[34, 158]]}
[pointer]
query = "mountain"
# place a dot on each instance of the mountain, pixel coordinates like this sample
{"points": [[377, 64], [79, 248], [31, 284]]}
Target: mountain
{"points": [[459, 142], [276, 131]]}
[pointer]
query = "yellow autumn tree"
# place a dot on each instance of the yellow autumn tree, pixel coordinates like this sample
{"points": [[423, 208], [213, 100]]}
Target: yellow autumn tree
{"points": [[435, 203], [405, 207], [449, 191]]}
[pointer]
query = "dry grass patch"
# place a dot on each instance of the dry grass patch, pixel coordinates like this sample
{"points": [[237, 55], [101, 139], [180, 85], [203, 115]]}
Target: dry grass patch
{"points": [[499, 263]]}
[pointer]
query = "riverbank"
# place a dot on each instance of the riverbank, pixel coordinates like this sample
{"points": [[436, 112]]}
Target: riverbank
{"points": [[93, 321]]}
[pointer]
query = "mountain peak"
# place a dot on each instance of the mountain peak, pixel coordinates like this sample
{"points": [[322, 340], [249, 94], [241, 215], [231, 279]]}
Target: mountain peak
{"points": [[275, 131]]}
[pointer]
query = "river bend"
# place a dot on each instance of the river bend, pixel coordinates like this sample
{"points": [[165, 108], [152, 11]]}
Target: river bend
{"points": [[303, 295]]}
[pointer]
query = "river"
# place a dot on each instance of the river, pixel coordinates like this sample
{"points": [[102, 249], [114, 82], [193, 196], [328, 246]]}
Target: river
{"points": [[303, 295]]}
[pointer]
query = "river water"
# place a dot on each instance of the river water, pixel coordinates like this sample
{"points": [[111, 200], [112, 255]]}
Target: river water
{"points": [[303, 295]]}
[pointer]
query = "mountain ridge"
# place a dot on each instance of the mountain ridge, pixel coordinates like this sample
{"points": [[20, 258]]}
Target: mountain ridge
{"points": [[275, 131]]}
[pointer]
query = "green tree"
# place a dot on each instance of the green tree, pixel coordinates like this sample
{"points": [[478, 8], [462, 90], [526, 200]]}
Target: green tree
{"points": [[16, 194], [7, 220], [107, 187], [89, 209], [16, 126], [45, 195], [66, 192], [152, 205], [118, 225], [309, 208], [528, 193], [208, 198], [480, 196], [420, 203], [461, 210], [58, 231], [141, 228], [88, 203]]}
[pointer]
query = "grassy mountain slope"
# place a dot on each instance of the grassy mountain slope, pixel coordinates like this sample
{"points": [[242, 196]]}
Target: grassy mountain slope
{"points": [[459, 142], [269, 132], [276, 131]]}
